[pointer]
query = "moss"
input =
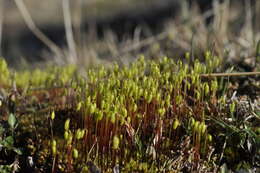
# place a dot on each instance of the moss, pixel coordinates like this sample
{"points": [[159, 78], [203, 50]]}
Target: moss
{"points": [[162, 109]]}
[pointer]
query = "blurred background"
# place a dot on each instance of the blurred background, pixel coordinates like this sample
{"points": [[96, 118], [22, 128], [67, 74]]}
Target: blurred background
{"points": [[99, 31]]}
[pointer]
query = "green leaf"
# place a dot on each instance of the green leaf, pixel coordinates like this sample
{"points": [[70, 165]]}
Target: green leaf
{"points": [[18, 151], [11, 120], [8, 142]]}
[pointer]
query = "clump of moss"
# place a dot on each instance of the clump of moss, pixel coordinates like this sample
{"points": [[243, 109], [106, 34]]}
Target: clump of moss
{"points": [[151, 116]]}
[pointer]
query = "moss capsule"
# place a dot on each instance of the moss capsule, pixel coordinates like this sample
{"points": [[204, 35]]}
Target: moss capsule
{"points": [[53, 147], [209, 138], [124, 112], [52, 115], [202, 128], [116, 142], [161, 111], [78, 134], [196, 126], [67, 125], [70, 138], [176, 124], [75, 153], [79, 106], [66, 135], [206, 88]]}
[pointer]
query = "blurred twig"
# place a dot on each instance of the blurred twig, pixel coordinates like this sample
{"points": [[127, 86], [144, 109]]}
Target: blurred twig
{"points": [[257, 15], [69, 32], [1, 23], [230, 74], [248, 20], [78, 22], [35, 30]]}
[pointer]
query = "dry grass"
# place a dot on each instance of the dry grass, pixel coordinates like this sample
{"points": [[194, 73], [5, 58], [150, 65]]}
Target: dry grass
{"points": [[187, 33], [230, 34]]}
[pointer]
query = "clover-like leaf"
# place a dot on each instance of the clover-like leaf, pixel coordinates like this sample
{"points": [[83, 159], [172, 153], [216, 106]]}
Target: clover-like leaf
{"points": [[12, 120]]}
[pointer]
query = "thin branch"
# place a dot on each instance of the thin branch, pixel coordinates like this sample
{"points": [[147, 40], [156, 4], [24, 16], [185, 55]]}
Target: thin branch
{"points": [[1, 23], [78, 22], [230, 74], [69, 32], [257, 16], [34, 29]]}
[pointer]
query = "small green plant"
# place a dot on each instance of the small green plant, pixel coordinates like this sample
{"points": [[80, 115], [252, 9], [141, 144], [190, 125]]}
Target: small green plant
{"points": [[8, 148]]}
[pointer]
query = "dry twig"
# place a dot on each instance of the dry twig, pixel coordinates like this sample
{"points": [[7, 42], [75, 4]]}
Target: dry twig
{"points": [[35, 30], [69, 32], [1, 23], [230, 74]]}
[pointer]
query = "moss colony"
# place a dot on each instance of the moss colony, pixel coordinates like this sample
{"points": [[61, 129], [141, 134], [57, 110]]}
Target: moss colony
{"points": [[153, 116]]}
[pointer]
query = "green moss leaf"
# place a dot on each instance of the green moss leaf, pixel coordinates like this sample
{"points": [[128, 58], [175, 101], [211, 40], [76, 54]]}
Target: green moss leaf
{"points": [[12, 120]]}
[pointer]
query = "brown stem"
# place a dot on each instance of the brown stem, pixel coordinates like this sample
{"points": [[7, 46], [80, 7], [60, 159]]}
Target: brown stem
{"points": [[230, 74]]}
